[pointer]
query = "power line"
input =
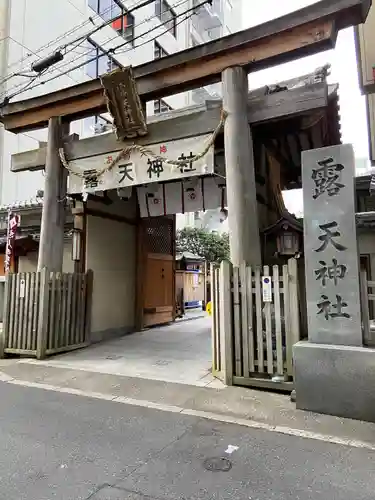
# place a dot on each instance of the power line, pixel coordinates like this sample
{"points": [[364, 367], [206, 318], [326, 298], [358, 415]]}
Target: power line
{"points": [[91, 19], [88, 52], [34, 77], [143, 3], [110, 21], [113, 50]]}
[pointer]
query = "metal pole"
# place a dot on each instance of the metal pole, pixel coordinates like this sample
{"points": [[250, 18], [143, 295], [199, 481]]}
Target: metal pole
{"points": [[244, 235]]}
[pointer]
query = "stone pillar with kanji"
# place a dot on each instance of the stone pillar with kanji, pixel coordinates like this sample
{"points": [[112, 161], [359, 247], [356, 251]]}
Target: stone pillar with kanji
{"points": [[333, 371], [330, 242]]}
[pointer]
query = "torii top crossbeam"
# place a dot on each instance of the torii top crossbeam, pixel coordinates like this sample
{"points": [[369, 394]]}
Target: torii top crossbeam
{"points": [[303, 32]]}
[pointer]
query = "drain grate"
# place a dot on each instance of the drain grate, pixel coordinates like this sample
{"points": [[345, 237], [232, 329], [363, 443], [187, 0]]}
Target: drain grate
{"points": [[217, 464]]}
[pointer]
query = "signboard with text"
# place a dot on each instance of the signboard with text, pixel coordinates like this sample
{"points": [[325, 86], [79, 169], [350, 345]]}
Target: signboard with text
{"points": [[140, 169], [13, 225], [330, 242]]}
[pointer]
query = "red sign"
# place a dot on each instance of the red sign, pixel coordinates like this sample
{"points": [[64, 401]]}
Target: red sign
{"points": [[13, 225], [163, 149], [120, 24]]}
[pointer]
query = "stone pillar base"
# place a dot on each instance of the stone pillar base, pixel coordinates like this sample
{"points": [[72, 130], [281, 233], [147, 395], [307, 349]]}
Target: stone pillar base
{"points": [[336, 380]]}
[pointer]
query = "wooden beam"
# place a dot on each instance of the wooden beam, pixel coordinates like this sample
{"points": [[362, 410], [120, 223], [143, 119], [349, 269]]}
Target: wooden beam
{"points": [[303, 32], [106, 215], [188, 122]]}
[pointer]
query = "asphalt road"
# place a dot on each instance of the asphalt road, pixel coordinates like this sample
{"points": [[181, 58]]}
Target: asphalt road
{"points": [[59, 446]]}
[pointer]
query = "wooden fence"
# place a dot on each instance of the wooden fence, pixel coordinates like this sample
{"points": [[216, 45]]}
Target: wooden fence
{"points": [[368, 309], [254, 329], [46, 313]]}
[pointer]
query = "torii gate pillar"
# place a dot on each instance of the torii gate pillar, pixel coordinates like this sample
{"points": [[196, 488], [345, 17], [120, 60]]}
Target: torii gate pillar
{"points": [[51, 245], [243, 221]]}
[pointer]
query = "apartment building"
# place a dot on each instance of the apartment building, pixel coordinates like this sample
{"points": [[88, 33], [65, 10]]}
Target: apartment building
{"points": [[32, 29], [365, 45]]}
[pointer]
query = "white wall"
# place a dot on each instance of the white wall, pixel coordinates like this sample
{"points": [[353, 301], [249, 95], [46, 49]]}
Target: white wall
{"points": [[29, 262], [111, 254]]}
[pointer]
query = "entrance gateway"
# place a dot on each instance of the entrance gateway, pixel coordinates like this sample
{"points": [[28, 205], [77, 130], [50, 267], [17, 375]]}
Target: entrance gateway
{"points": [[162, 180], [269, 165]]}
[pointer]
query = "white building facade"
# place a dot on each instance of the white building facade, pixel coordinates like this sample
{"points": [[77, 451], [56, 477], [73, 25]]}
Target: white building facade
{"points": [[32, 29]]}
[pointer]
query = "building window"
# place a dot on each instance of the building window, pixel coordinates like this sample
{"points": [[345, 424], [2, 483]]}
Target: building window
{"points": [[159, 52], [166, 15], [160, 106], [109, 9], [96, 67], [99, 65], [96, 125]]}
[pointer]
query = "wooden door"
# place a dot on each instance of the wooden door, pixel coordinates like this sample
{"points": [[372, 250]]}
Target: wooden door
{"points": [[158, 274]]}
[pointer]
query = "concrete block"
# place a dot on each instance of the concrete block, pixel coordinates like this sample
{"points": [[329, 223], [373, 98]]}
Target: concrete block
{"points": [[335, 380]]}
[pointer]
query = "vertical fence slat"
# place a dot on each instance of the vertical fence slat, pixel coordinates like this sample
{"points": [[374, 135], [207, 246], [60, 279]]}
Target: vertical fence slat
{"points": [[24, 311], [60, 337], [226, 311], [259, 321], [365, 308], [52, 309], [21, 303], [74, 309], [12, 311], [44, 298], [36, 309], [216, 313], [293, 300], [81, 285], [28, 310], [237, 322], [278, 329], [5, 329], [88, 304], [13, 339], [17, 336], [288, 333], [214, 307], [83, 306], [59, 325], [68, 325], [268, 324], [250, 316], [244, 322]]}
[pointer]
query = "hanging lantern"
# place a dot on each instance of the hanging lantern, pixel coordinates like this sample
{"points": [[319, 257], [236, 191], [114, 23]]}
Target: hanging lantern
{"points": [[288, 241]]}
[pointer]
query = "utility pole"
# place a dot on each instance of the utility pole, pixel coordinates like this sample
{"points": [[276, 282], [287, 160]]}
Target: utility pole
{"points": [[51, 245], [243, 221]]}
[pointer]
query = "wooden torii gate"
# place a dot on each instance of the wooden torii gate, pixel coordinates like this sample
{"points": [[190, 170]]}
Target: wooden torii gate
{"points": [[229, 59], [304, 32]]}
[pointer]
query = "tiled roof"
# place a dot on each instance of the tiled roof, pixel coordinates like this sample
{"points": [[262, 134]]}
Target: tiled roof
{"points": [[23, 205]]}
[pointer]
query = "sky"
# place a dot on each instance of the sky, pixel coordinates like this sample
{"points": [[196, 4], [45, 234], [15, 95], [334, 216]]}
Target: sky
{"points": [[343, 71]]}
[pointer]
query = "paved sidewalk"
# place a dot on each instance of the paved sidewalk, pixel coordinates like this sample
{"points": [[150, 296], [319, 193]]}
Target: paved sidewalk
{"points": [[231, 404], [179, 352]]}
